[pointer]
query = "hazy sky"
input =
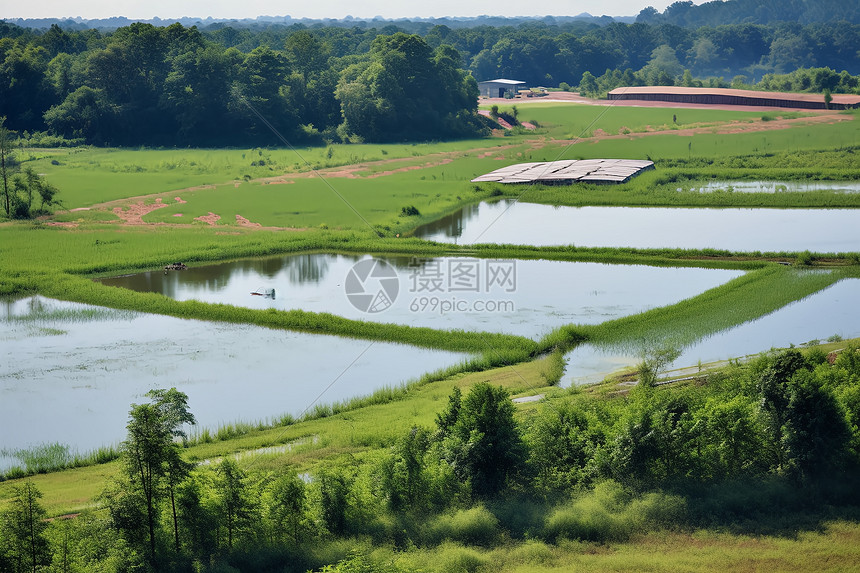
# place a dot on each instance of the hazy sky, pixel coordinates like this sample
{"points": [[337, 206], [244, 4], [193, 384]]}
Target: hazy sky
{"points": [[320, 8]]}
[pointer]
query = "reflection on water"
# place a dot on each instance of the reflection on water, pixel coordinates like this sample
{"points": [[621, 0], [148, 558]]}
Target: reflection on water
{"points": [[832, 311], [535, 296], [745, 230], [73, 370], [777, 186]]}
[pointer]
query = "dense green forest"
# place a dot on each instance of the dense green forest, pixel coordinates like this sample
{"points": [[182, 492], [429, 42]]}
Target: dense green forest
{"points": [[769, 446], [168, 86], [685, 13], [221, 85]]}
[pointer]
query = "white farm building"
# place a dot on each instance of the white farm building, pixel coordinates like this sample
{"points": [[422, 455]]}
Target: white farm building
{"points": [[498, 88]]}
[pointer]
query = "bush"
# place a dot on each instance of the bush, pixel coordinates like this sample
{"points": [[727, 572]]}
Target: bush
{"points": [[455, 559], [476, 526], [409, 211], [609, 514], [804, 259]]}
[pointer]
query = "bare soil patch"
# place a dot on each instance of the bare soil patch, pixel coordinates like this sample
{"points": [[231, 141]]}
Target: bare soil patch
{"points": [[135, 212], [210, 219], [243, 222]]}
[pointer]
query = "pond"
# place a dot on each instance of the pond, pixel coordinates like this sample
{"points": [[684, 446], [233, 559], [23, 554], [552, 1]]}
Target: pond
{"points": [[523, 297], [744, 230], [830, 313], [776, 186], [74, 370]]}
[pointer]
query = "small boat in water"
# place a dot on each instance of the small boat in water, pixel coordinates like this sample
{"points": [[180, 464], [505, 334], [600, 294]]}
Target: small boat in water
{"points": [[266, 292]]}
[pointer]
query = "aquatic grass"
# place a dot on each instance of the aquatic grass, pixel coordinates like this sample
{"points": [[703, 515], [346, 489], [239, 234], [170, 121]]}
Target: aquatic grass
{"points": [[53, 457], [79, 289], [41, 314], [742, 299]]}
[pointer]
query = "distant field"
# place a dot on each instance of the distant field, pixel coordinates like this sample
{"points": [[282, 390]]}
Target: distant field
{"points": [[88, 176], [568, 121]]}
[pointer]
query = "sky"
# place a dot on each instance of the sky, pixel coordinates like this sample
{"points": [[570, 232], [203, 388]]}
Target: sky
{"points": [[146, 9]]}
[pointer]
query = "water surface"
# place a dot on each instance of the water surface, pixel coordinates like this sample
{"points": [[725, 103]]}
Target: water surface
{"points": [[73, 370], [523, 297], [744, 230], [777, 186], [830, 312]]}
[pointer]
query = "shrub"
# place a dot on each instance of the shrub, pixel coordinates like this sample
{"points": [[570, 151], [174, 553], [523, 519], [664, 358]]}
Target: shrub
{"points": [[476, 526], [804, 259], [609, 514], [455, 559], [533, 552]]}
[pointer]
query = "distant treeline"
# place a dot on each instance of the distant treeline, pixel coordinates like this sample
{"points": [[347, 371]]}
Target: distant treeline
{"points": [[752, 11], [143, 85], [664, 70], [175, 85]]}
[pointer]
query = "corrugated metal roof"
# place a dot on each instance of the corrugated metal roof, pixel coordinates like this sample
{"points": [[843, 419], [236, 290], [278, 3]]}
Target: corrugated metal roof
{"points": [[501, 81], [583, 170], [680, 90]]}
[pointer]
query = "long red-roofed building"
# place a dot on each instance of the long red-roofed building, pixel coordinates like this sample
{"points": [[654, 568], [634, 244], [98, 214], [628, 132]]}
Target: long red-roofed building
{"points": [[723, 96]]}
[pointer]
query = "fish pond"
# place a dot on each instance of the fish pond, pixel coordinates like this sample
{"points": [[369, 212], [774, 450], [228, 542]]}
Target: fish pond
{"points": [[73, 370], [831, 313], [776, 186], [523, 297], [742, 230]]}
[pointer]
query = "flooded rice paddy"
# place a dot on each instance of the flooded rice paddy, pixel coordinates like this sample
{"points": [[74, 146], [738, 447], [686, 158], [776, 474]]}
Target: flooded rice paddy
{"points": [[71, 371], [830, 313], [523, 297], [743, 230]]}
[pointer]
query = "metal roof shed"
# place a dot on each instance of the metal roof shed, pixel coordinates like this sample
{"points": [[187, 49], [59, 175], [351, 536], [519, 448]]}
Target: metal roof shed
{"points": [[499, 87]]}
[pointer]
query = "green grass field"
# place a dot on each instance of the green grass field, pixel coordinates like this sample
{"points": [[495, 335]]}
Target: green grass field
{"points": [[569, 121], [89, 176]]}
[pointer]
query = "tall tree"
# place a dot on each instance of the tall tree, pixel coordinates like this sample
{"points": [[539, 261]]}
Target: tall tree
{"points": [[816, 430], [484, 445], [150, 454], [400, 92], [25, 525], [235, 505], [8, 166], [287, 506]]}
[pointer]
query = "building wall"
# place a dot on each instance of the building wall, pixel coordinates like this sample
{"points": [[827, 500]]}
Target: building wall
{"points": [[724, 99], [491, 89]]}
